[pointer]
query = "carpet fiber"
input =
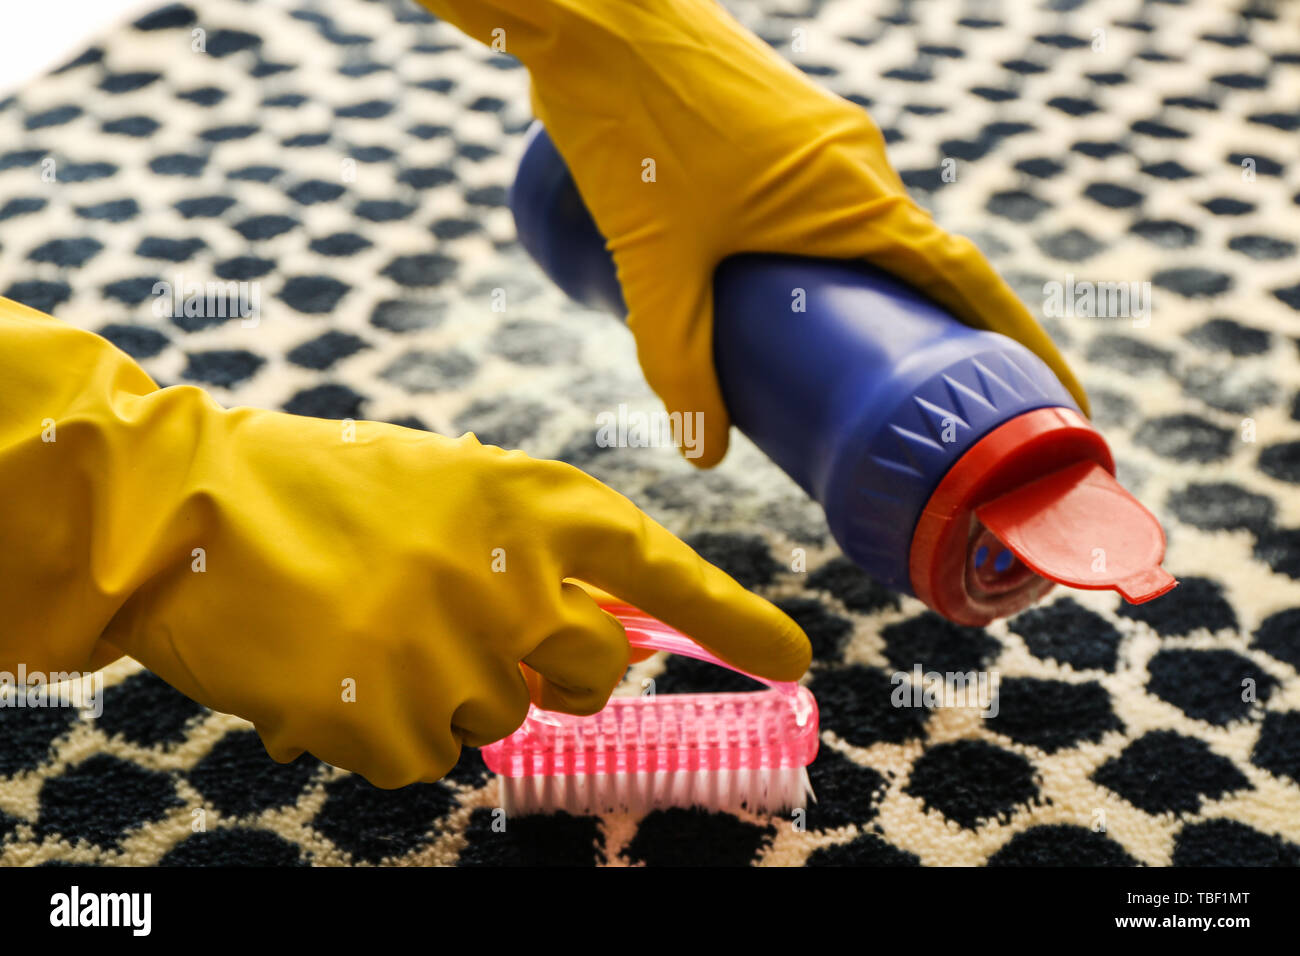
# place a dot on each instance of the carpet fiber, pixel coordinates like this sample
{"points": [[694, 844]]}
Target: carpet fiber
{"points": [[350, 159]]}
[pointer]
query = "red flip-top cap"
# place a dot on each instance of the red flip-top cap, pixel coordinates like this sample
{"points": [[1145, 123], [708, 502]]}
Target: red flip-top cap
{"points": [[1032, 504]]}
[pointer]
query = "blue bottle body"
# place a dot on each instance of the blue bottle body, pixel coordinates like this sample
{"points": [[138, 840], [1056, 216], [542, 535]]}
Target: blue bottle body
{"points": [[866, 398]]}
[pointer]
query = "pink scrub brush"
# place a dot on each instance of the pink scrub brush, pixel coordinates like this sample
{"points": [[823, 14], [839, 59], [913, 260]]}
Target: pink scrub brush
{"points": [[721, 751]]}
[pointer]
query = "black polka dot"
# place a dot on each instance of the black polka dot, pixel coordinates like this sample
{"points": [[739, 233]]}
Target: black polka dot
{"points": [[101, 798], [1157, 130], [1280, 550], [1166, 233], [1097, 149], [1226, 335], [1278, 747], [1061, 844], [326, 401], [1279, 636], [556, 839], [1185, 437], [21, 206], [397, 315], [223, 367], [306, 140], [1110, 408], [314, 295], [1052, 714], [340, 244], [128, 82], [490, 196], [234, 846], [370, 154], [866, 850], [475, 152], [1281, 461], [856, 589], [1194, 282], [203, 96], [1209, 685], [254, 174], [1163, 772], [21, 157], [695, 837], [38, 294], [203, 207], [179, 164], [1067, 632], [1072, 245], [1130, 355], [71, 253], [228, 133], [1169, 170], [1196, 603], [131, 291], [141, 127], [1231, 843], [1222, 506], [170, 17], [1113, 195], [135, 340], [425, 371], [429, 269], [847, 793], [685, 675], [1073, 105], [53, 117], [531, 342], [222, 43], [1263, 248], [264, 227], [937, 644], [29, 733], [169, 250], [373, 824], [323, 351], [507, 422], [426, 177], [856, 702], [1227, 206], [448, 229], [314, 191], [1017, 205], [1191, 103], [243, 268], [146, 710], [971, 781], [239, 778], [1240, 81]]}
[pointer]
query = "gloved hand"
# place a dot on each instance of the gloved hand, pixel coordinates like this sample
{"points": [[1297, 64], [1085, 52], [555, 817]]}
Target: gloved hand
{"points": [[367, 600], [749, 155]]}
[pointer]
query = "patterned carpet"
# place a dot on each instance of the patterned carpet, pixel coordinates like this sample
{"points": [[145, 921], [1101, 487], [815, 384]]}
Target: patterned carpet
{"points": [[351, 158]]}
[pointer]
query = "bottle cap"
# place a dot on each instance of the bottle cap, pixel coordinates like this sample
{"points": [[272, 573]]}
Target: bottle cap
{"points": [[1032, 504]]}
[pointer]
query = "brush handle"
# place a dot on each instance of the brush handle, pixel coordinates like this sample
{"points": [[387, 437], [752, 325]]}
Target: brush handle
{"points": [[652, 634]]}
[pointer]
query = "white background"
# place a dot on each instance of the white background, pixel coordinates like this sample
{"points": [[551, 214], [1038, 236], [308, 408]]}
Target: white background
{"points": [[38, 35]]}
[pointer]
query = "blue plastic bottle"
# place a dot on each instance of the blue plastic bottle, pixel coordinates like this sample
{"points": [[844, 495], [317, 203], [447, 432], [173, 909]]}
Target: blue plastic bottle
{"points": [[874, 400]]}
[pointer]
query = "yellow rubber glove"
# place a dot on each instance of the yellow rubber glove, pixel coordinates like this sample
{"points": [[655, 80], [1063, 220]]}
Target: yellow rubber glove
{"points": [[749, 156], [365, 596]]}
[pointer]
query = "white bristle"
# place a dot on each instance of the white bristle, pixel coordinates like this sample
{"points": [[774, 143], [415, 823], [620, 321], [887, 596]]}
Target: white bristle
{"points": [[757, 791]]}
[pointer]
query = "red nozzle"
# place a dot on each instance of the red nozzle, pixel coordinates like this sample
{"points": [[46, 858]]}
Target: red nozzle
{"points": [[1079, 527], [1032, 503]]}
